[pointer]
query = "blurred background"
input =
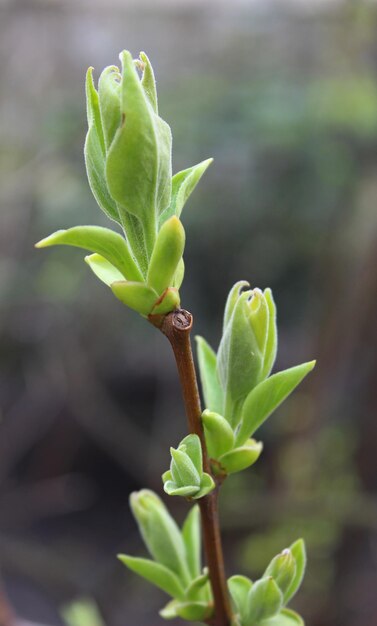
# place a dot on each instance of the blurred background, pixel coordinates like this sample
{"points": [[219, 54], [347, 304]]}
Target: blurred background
{"points": [[283, 95]]}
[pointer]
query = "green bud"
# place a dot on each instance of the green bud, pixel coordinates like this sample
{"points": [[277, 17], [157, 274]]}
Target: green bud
{"points": [[186, 477], [248, 336], [264, 600], [282, 569], [160, 533], [128, 162], [219, 435], [183, 469]]}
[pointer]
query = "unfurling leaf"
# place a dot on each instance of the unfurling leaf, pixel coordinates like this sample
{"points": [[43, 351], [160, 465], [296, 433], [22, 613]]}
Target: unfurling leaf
{"points": [[183, 184], [264, 600], [267, 396], [155, 573], [242, 349], [103, 269], [286, 617], [299, 554], [191, 534], [283, 570], [240, 458], [160, 533], [112, 246], [213, 395], [239, 587]]}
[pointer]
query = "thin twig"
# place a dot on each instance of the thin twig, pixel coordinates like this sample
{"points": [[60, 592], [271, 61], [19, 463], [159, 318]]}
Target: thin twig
{"points": [[177, 327]]}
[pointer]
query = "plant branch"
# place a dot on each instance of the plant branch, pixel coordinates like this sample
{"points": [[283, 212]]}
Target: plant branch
{"points": [[177, 327]]}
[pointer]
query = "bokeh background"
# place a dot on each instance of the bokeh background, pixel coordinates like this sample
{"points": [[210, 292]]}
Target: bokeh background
{"points": [[283, 95]]}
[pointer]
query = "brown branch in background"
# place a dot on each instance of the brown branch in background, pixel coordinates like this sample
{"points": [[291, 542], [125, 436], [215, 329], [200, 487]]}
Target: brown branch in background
{"points": [[177, 327], [7, 614]]}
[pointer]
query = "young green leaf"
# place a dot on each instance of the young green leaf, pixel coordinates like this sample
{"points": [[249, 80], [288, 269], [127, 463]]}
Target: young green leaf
{"points": [[109, 102], [183, 184], [267, 396], [190, 611], [282, 568], [207, 484], [286, 617], [148, 81], [160, 533], [232, 299], [104, 270], [212, 392], [179, 274], [299, 554], [264, 600], [191, 444], [186, 476], [240, 458], [137, 296], [218, 433], [138, 165], [167, 253], [191, 534], [155, 573], [94, 152], [258, 315], [272, 340], [239, 357], [196, 589], [239, 587], [103, 241], [183, 469]]}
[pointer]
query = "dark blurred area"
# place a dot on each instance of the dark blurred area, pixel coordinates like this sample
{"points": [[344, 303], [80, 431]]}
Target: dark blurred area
{"points": [[283, 95]]}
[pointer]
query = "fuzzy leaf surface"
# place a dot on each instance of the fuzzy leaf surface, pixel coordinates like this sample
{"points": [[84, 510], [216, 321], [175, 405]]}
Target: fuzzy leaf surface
{"points": [[94, 152]]}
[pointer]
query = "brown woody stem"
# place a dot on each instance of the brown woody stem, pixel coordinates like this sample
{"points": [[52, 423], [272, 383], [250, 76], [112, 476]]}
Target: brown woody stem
{"points": [[177, 327]]}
